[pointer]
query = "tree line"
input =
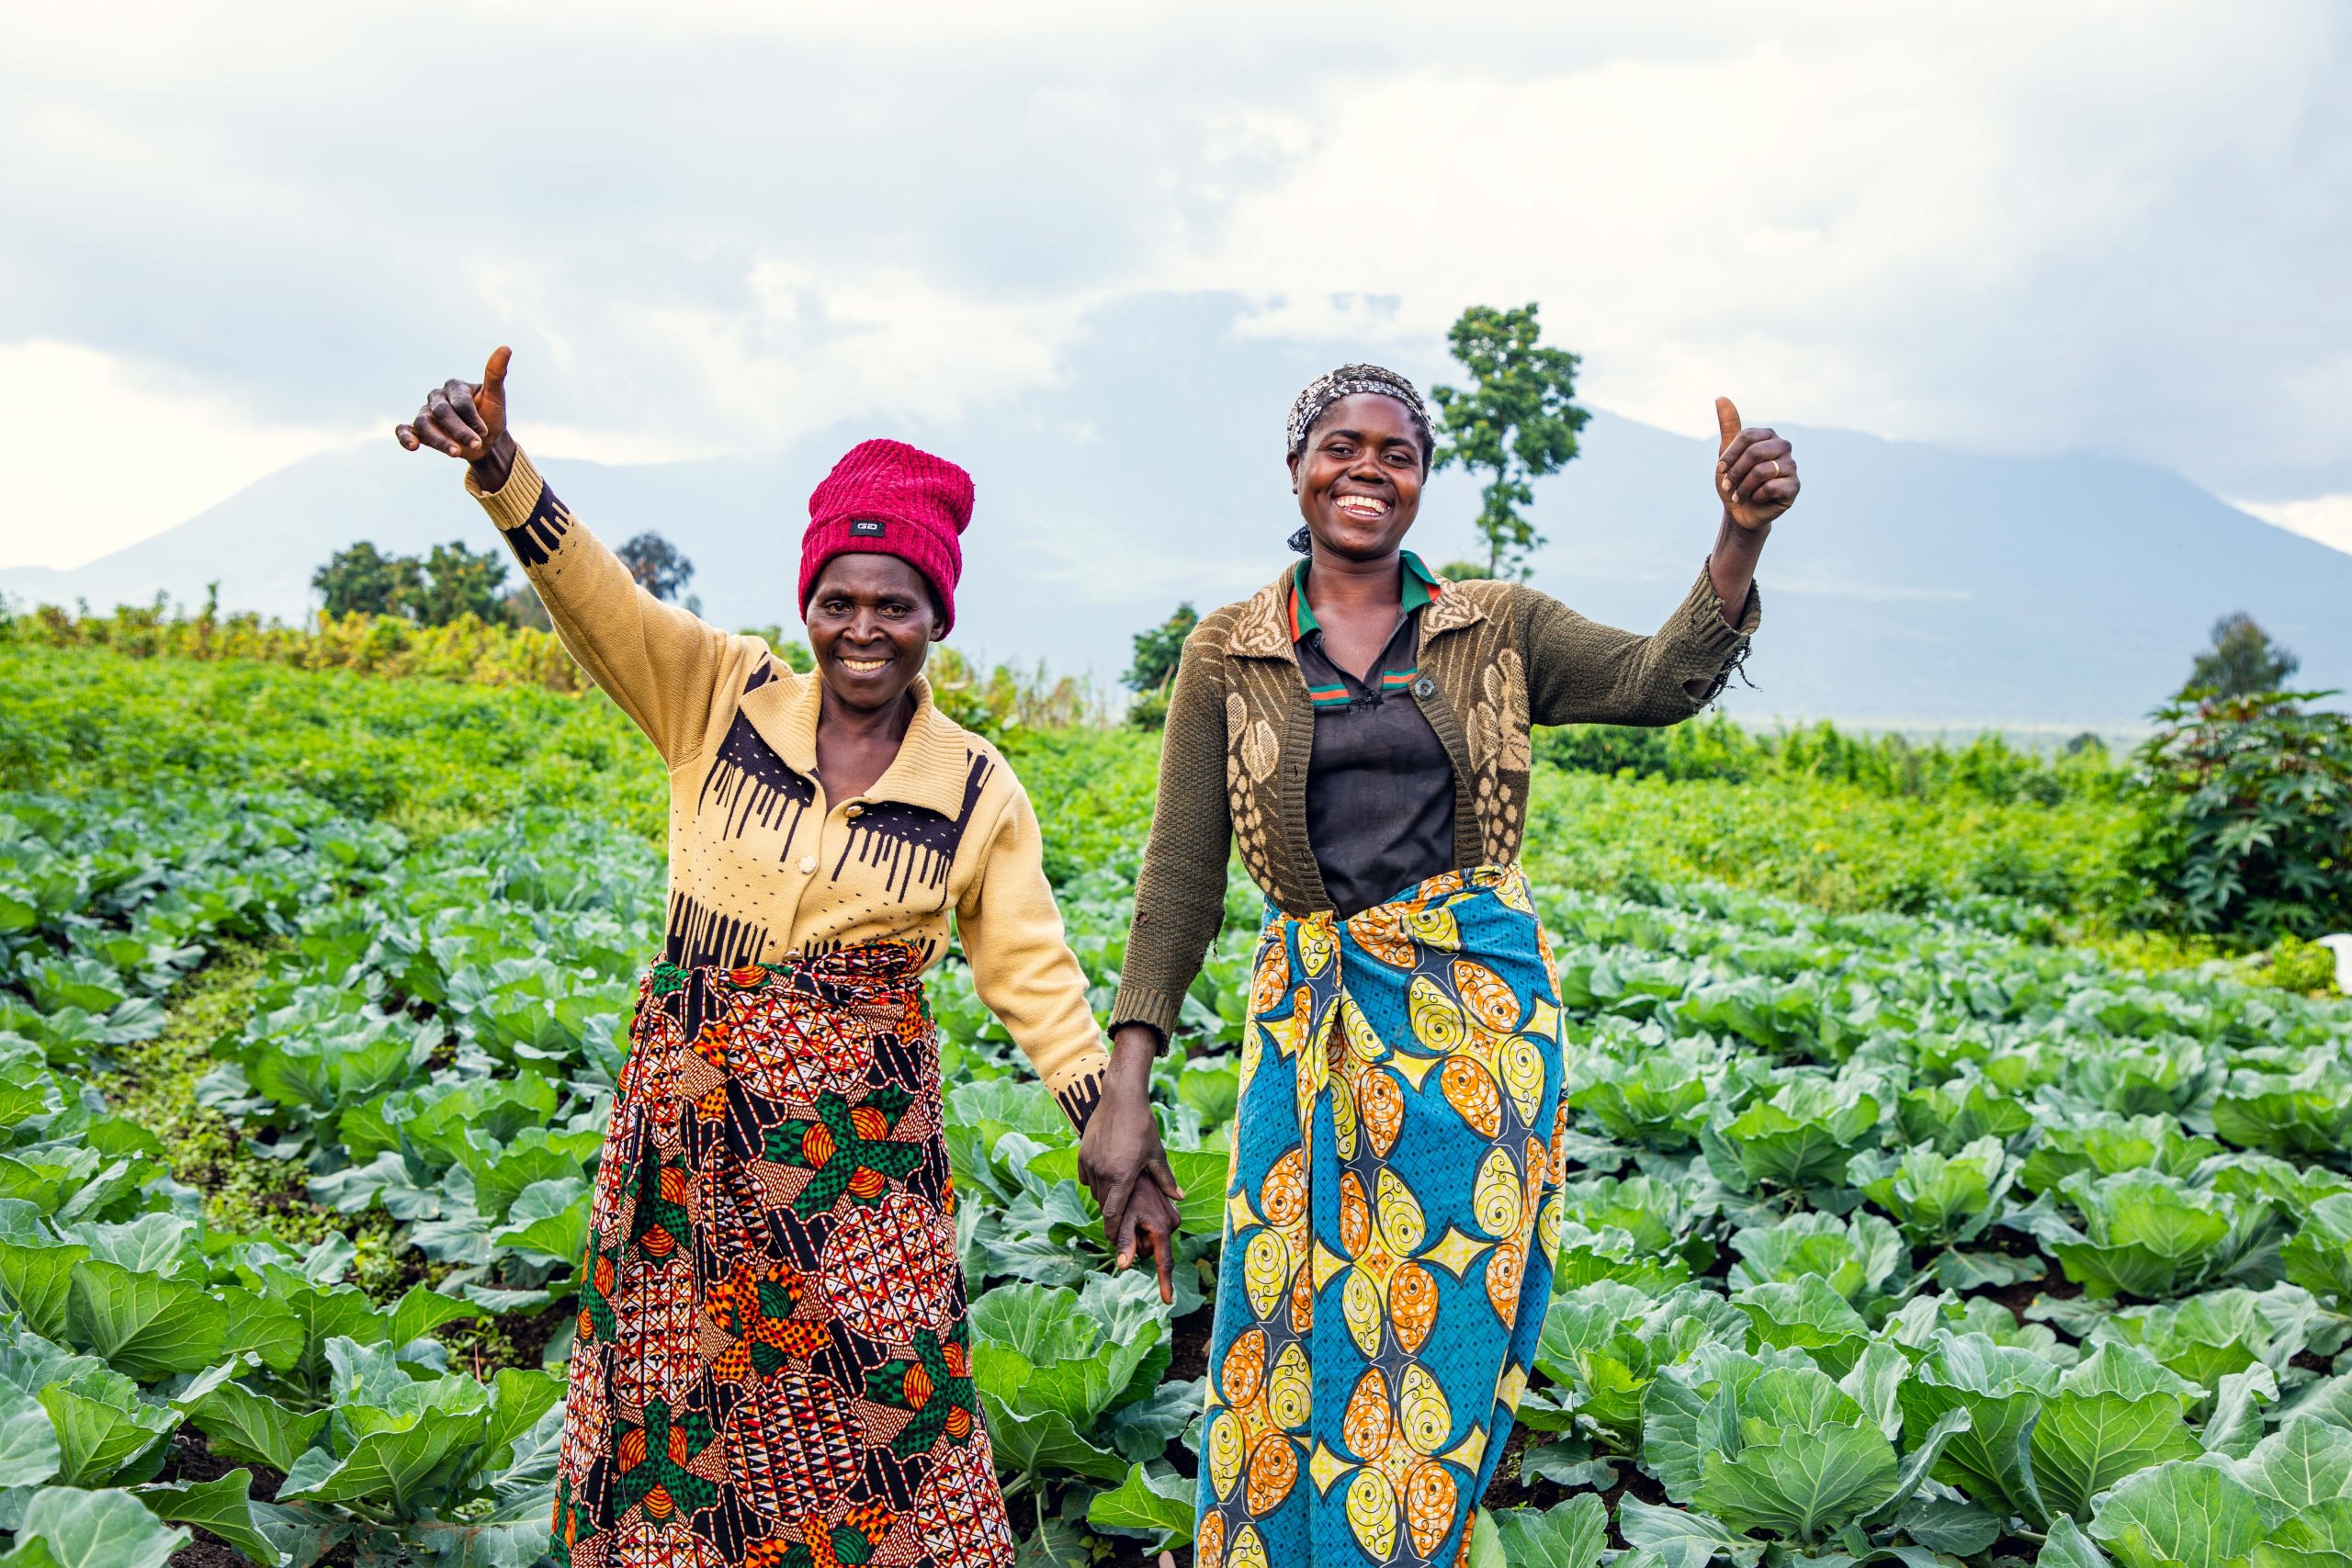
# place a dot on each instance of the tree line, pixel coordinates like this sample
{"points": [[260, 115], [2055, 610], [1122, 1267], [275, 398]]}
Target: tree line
{"points": [[451, 581]]}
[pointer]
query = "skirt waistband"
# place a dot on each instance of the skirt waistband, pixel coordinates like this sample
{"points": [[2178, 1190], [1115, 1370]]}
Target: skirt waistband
{"points": [[1507, 880], [862, 972]]}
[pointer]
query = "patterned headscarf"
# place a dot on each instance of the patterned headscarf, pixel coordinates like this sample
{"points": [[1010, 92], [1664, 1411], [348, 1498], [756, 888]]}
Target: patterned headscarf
{"points": [[1346, 382]]}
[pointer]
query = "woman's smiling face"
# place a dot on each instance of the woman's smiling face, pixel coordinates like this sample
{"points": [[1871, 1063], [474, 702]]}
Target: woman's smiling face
{"points": [[871, 624], [1358, 478]]}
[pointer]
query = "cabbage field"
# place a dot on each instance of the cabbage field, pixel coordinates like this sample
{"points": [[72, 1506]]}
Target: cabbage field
{"points": [[1914, 1238]]}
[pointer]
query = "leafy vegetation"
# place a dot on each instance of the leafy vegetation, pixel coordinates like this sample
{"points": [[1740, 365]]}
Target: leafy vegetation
{"points": [[2251, 823], [992, 702], [1894, 1228], [1986, 767], [473, 647], [1841, 846]]}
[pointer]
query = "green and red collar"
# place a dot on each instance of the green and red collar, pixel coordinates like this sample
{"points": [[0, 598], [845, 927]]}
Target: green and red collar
{"points": [[1422, 586]]}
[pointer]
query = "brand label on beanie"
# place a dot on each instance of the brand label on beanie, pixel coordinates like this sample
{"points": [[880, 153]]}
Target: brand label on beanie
{"points": [[869, 526]]}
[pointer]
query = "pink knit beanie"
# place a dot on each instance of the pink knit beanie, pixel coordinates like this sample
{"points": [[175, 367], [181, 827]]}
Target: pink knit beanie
{"points": [[890, 499]]}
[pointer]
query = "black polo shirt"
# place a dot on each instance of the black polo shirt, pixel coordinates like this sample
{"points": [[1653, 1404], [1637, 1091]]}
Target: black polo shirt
{"points": [[1379, 784]]}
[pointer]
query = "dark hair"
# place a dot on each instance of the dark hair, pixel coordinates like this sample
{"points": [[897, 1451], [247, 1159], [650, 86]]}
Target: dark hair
{"points": [[1345, 382]]}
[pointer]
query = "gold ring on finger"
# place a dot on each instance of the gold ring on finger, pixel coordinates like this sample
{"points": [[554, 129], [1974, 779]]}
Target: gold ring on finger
{"points": [[1776, 466]]}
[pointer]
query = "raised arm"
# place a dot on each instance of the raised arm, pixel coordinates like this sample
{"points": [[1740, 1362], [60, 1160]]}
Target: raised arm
{"points": [[658, 662], [1579, 672]]}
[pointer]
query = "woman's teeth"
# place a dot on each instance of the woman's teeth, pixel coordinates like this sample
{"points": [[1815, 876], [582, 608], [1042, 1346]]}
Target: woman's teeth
{"points": [[864, 666], [1366, 506]]}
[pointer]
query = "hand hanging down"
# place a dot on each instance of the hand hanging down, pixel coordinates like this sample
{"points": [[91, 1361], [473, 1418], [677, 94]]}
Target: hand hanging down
{"points": [[1122, 1163]]}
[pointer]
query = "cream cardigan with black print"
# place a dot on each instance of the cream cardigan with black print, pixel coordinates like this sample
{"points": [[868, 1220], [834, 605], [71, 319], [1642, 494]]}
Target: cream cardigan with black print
{"points": [[762, 864]]}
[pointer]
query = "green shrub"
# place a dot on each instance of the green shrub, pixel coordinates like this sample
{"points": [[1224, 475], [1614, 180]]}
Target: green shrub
{"points": [[2246, 823], [2294, 964]]}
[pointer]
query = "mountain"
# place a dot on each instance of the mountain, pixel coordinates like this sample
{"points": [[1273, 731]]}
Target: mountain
{"points": [[1915, 585]]}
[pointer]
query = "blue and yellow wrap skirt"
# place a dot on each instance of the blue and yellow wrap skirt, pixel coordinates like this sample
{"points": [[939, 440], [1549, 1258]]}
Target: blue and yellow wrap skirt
{"points": [[1391, 1215]]}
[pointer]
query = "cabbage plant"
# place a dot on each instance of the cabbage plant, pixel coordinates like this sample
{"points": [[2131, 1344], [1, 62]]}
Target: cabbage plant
{"points": [[2155, 1236]]}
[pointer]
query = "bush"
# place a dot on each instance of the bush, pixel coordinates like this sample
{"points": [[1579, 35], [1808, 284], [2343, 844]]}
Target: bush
{"points": [[2294, 964], [2247, 825]]}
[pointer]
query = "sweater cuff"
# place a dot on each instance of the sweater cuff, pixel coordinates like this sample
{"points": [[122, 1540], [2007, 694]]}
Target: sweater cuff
{"points": [[1719, 647], [1141, 1004], [510, 504], [1078, 1087], [1703, 614], [530, 517]]}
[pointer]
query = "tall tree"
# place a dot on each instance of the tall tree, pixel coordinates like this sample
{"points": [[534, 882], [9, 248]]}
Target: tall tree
{"points": [[2242, 661], [1516, 423], [364, 581], [656, 564], [1159, 649]]}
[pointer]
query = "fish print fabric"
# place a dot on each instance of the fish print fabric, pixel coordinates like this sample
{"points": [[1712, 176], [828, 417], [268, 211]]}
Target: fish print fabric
{"points": [[1391, 1215], [773, 1368]]}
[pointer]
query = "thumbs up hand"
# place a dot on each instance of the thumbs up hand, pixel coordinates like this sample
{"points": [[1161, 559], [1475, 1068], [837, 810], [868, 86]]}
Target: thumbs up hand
{"points": [[468, 420], [1756, 477]]}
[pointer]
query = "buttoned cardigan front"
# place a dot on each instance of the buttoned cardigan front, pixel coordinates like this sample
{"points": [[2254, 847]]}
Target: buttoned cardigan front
{"points": [[1495, 658]]}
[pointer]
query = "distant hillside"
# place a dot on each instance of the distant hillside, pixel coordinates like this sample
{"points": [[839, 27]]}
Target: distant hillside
{"points": [[1915, 584]]}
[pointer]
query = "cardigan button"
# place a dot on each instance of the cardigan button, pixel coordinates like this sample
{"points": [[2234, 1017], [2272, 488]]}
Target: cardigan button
{"points": [[853, 809], [807, 865], [1425, 687]]}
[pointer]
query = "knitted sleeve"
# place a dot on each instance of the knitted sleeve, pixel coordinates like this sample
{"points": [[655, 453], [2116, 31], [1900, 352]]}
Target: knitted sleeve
{"points": [[1180, 898], [1579, 672], [1022, 966], [659, 664]]}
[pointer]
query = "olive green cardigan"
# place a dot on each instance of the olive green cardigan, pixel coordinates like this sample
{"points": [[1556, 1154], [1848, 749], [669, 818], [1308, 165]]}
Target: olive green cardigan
{"points": [[1495, 658]]}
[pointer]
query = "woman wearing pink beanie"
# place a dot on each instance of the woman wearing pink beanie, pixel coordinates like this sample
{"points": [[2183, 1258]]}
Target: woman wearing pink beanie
{"points": [[773, 1364]]}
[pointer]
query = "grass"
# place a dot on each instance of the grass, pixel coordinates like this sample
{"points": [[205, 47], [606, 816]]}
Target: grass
{"points": [[244, 1192]]}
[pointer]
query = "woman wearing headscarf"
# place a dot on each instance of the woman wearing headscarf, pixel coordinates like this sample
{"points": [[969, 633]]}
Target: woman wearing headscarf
{"points": [[773, 1365], [1360, 725]]}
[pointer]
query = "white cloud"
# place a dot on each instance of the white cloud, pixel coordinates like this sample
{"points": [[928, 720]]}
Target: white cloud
{"points": [[794, 353], [99, 452], [2326, 518], [2108, 225], [2025, 229]]}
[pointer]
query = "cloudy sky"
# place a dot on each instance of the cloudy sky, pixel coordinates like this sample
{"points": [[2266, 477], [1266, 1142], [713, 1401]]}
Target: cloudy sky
{"points": [[238, 234]]}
